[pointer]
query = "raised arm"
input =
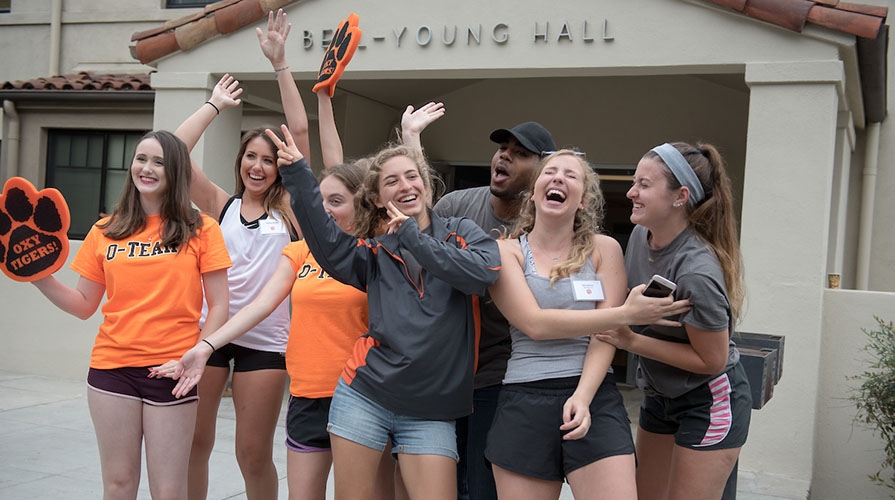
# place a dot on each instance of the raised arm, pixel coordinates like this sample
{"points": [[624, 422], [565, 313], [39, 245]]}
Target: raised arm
{"points": [[514, 299], [413, 122], [208, 196], [273, 46], [339, 52], [341, 255], [224, 95], [330, 142]]}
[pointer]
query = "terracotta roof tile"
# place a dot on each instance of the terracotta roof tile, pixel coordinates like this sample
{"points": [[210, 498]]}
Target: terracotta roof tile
{"points": [[856, 19], [228, 16], [84, 80], [186, 32]]}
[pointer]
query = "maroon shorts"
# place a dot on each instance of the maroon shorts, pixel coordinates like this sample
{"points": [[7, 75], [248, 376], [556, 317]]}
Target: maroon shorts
{"points": [[134, 383]]}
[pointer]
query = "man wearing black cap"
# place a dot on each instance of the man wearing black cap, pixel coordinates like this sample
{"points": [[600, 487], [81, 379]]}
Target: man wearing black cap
{"points": [[494, 208]]}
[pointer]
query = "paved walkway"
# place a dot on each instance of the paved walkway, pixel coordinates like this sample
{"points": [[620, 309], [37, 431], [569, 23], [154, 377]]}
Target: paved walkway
{"points": [[48, 450]]}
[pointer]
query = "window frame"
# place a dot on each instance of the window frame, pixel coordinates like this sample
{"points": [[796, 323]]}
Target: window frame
{"points": [[54, 166]]}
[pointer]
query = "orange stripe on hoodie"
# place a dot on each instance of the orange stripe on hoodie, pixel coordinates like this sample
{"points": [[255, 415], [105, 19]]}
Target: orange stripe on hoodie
{"points": [[358, 357]]}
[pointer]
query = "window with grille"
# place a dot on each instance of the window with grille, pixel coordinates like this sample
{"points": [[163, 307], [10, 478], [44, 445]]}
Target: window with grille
{"points": [[89, 168]]}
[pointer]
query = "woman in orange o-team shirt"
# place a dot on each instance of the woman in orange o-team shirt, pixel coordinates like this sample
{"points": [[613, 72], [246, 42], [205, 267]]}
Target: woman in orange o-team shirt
{"points": [[153, 258]]}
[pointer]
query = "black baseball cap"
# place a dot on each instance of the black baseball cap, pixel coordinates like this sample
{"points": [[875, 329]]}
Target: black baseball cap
{"points": [[532, 135]]}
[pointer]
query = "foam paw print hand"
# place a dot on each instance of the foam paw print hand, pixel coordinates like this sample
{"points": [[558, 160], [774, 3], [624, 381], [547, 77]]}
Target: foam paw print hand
{"points": [[33, 227], [339, 52]]}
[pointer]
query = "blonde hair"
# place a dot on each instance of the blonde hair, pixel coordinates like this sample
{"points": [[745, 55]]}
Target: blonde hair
{"points": [[588, 220]]}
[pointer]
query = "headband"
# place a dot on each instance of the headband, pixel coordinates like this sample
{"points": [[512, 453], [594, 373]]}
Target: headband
{"points": [[682, 171]]}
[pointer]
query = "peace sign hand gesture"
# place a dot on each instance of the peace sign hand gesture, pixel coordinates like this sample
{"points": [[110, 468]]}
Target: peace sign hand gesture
{"points": [[397, 218], [287, 152]]}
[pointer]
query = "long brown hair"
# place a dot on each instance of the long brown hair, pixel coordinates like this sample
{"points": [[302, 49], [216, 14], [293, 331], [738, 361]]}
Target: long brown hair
{"points": [[179, 220], [368, 218], [712, 218], [276, 197], [588, 220]]}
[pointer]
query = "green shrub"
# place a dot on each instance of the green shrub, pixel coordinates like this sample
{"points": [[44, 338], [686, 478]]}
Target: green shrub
{"points": [[875, 398]]}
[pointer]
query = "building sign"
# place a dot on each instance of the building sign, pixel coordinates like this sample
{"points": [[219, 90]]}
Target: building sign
{"points": [[472, 35]]}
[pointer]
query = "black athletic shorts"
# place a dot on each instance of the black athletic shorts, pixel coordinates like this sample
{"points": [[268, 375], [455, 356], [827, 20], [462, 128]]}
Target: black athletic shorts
{"points": [[246, 359], [525, 437], [306, 421], [713, 416]]}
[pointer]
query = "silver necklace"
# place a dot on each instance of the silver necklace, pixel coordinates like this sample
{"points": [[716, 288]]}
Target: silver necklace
{"points": [[541, 249]]}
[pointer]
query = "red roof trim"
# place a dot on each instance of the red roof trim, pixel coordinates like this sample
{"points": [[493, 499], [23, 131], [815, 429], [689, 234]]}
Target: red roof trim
{"points": [[186, 32], [84, 80], [856, 19]]}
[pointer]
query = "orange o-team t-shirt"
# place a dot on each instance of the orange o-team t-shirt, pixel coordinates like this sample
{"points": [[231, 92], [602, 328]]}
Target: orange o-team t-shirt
{"points": [[327, 319], [154, 292]]}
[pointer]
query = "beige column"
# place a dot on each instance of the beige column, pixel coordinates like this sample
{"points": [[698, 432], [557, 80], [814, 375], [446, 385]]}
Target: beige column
{"points": [[790, 159], [845, 145], [177, 96]]}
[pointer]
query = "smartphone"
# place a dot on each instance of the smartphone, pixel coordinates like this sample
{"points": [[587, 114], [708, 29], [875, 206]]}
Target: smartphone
{"points": [[659, 287]]}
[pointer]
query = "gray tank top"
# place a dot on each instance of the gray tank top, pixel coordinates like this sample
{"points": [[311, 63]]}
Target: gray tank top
{"points": [[547, 359]]}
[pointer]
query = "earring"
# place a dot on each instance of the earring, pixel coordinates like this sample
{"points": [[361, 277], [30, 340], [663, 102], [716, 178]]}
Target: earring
{"points": [[678, 204]]}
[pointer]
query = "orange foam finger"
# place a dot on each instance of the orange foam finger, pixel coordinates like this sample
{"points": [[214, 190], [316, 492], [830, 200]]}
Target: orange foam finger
{"points": [[338, 54], [33, 227], [354, 35]]}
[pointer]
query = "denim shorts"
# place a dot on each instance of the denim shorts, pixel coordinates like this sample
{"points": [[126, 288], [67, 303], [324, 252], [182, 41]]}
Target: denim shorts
{"points": [[357, 418]]}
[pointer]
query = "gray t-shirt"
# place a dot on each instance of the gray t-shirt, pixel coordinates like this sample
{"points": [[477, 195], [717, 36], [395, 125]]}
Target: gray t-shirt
{"points": [[689, 262], [547, 359], [494, 344]]}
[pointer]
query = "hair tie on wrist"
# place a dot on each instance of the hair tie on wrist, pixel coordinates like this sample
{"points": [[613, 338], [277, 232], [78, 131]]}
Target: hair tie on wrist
{"points": [[209, 345], [213, 106]]}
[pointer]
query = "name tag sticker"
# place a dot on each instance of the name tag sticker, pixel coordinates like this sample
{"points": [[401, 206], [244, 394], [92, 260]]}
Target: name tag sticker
{"points": [[588, 290], [272, 226]]}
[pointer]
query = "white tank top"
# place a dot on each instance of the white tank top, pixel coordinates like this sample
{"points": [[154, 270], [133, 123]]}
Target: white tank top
{"points": [[255, 251]]}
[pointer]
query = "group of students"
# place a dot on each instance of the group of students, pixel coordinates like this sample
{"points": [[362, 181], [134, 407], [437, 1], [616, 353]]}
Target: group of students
{"points": [[467, 339]]}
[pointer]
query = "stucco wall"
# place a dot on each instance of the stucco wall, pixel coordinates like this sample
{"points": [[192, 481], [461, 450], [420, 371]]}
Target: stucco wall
{"points": [[94, 36], [846, 451], [39, 338], [614, 100]]}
